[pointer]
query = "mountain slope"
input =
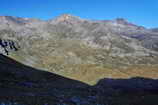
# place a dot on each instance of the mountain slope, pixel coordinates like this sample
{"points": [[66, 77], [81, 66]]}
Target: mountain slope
{"points": [[24, 85], [82, 49], [20, 83]]}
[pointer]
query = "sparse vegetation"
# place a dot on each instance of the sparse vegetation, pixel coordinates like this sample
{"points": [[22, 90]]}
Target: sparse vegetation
{"points": [[82, 50]]}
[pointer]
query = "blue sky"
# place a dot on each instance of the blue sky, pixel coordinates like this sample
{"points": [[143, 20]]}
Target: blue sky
{"points": [[141, 12]]}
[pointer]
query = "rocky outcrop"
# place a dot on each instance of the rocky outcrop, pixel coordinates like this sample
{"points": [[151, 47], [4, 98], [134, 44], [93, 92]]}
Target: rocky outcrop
{"points": [[8, 45]]}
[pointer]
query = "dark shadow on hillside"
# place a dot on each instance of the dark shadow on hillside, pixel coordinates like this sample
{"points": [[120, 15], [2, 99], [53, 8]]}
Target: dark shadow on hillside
{"points": [[30, 86], [18, 81], [132, 91], [131, 84]]}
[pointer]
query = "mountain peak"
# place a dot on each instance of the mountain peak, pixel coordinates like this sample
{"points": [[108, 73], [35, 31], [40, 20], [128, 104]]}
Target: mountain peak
{"points": [[121, 21], [125, 22], [65, 17]]}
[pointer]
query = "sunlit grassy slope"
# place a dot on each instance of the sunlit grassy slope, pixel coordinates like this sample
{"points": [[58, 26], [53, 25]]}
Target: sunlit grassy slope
{"points": [[76, 60]]}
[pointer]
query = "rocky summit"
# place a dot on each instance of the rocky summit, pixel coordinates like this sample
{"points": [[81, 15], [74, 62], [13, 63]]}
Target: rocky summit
{"points": [[82, 49]]}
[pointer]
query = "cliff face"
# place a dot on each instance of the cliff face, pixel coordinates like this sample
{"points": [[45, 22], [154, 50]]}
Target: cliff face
{"points": [[82, 49]]}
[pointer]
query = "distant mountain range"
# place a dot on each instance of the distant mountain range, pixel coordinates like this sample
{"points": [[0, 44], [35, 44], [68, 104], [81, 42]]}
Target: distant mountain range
{"points": [[82, 49]]}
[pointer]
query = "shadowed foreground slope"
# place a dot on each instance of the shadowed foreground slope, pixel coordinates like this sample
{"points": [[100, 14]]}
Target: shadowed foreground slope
{"points": [[23, 85], [20, 81]]}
